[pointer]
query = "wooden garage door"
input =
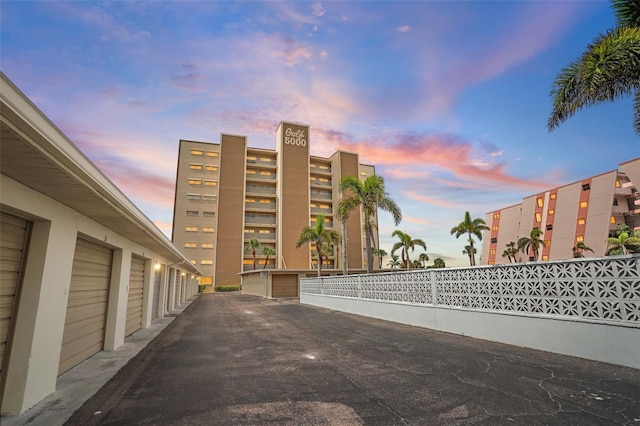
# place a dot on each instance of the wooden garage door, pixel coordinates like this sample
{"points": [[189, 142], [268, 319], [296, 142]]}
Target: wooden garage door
{"points": [[87, 304], [136, 293], [156, 295], [284, 285], [13, 237]]}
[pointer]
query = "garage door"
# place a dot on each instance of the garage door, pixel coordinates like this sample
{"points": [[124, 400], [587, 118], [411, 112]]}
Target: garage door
{"points": [[87, 304], [13, 236], [284, 285], [156, 295], [136, 293]]}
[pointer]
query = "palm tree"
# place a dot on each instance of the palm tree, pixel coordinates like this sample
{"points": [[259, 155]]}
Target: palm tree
{"points": [[608, 69], [470, 227], [579, 249], [379, 253], [423, 258], [470, 251], [371, 196], [268, 252], [394, 262], [438, 263], [252, 246], [318, 235], [405, 244], [510, 251], [623, 244], [416, 264], [532, 243]]}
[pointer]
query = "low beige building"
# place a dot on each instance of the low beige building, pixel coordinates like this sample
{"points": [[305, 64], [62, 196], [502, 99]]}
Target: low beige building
{"points": [[81, 267], [228, 193], [587, 211]]}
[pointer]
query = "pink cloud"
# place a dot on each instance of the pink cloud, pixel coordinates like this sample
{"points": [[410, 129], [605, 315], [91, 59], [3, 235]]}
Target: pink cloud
{"points": [[430, 200], [418, 221]]}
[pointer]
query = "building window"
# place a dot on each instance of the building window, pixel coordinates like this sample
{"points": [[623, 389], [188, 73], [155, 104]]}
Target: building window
{"points": [[264, 231], [618, 184], [251, 158], [545, 257], [552, 212], [211, 183], [583, 204], [249, 200], [190, 245], [209, 197], [192, 213], [197, 152], [494, 240], [491, 262], [191, 228], [249, 231], [549, 227], [538, 217], [247, 261], [208, 214], [207, 229], [212, 154], [553, 196], [195, 166], [265, 201], [547, 243], [496, 216], [211, 168], [494, 228], [586, 187], [612, 220], [492, 251], [540, 202], [251, 172], [206, 262], [615, 201], [265, 173], [206, 280], [206, 245], [581, 221], [195, 181], [580, 238], [193, 196], [194, 261]]}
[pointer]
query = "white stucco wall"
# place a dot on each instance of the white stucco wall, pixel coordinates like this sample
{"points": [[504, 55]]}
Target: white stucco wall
{"points": [[617, 344]]}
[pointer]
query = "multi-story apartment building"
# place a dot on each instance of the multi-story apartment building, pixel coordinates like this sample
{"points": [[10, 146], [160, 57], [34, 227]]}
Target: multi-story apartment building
{"points": [[228, 193], [586, 211]]}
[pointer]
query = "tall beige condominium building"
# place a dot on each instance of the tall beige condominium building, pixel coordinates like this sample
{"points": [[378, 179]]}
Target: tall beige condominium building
{"points": [[228, 193], [586, 211]]}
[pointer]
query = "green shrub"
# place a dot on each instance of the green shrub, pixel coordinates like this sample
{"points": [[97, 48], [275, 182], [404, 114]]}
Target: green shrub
{"points": [[201, 288], [227, 288]]}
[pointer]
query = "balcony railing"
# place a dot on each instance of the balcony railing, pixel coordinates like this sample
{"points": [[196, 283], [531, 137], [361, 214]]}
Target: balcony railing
{"points": [[258, 176], [269, 236], [260, 206], [258, 189], [260, 220], [322, 195], [321, 210], [320, 183]]}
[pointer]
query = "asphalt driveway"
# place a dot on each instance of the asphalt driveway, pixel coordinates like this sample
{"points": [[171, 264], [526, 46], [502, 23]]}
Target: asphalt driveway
{"points": [[235, 359]]}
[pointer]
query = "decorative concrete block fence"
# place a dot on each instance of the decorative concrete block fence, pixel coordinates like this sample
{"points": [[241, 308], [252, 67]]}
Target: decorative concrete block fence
{"points": [[588, 308]]}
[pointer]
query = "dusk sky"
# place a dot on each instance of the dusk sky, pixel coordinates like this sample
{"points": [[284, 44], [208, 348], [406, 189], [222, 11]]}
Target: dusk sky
{"points": [[449, 100]]}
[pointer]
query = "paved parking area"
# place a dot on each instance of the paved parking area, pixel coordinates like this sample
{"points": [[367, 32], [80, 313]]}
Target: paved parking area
{"points": [[237, 359]]}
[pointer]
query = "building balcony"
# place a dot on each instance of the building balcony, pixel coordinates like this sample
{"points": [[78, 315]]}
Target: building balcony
{"points": [[260, 220], [259, 267], [260, 206], [262, 237], [271, 165], [320, 169], [259, 189], [321, 210], [259, 177], [321, 195], [623, 191], [321, 184]]}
